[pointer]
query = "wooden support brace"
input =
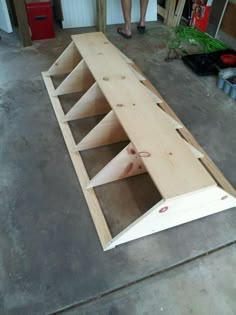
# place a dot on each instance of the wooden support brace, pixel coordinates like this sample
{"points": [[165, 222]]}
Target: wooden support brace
{"points": [[107, 131], [92, 103], [23, 24], [178, 12], [162, 11], [126, 164], [80, 79], [170, 7], [101, 15], [67, 61]]}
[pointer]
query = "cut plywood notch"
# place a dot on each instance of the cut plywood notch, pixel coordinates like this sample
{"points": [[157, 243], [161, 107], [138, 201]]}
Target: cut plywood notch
{"points": [[196, 152], [79, 80], [92, 103], [126, 164], [138, 75], [123, 56], [155, 98], [107, 131], [173, 122], [66, 62]]}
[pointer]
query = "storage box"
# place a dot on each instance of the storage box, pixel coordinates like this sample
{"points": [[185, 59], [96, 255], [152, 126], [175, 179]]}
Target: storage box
{"points": [[225, 84], [40, 18]]}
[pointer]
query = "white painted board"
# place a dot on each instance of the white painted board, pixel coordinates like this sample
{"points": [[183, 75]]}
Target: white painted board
{"points": [[81, 13], [5, 22]]}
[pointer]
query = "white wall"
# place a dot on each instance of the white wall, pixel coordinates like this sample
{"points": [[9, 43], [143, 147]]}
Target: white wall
{"points": [[5, 23], [79, 13]]}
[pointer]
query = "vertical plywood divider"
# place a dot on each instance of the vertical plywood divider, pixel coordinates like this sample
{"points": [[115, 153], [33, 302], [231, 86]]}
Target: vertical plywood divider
{"points": [[127, 163], [79, 80], [92, 103], [67, 61], [107, 131]]}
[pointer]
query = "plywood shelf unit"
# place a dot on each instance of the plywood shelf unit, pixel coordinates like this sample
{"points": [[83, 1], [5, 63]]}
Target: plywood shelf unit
{"points": [[189, 183]]}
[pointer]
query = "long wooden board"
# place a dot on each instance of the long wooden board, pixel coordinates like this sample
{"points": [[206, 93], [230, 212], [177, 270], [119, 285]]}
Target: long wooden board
{"points": [[90, 196], [170, 163]]}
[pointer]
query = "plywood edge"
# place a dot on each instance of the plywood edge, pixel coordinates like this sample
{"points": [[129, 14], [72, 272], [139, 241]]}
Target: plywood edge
{"points": [[119, 239], [90, 196], [206, 161]]}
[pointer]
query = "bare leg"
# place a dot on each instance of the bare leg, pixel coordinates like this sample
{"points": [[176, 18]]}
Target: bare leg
{"points": [[126, 6], [143, 10]]}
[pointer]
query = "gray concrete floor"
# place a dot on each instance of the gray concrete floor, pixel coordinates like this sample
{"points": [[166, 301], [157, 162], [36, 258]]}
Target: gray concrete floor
{"points": [[50, 256]]}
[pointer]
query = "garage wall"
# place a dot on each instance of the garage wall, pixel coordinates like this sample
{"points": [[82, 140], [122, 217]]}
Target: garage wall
{"points": [[228, 24], [83, 13]]}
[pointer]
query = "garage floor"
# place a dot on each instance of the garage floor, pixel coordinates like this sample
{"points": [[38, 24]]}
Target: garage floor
{"points": [[51, 260]]}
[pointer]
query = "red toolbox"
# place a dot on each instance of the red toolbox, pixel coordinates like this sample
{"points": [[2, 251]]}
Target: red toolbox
{"points": [[40, 18]]}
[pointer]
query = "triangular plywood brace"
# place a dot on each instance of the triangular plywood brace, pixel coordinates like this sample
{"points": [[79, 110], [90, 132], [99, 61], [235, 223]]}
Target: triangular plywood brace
{"points": [[92, 103], [107, 131], [126, 164], [80, 79], [176, 211], [67, 61]]}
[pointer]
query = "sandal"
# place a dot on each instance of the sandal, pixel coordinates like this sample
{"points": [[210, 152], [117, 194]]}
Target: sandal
{"points": [[141, 29], [121, 33]]}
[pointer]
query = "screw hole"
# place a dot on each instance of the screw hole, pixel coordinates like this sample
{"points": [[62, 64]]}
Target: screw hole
{"points": [[144, 154]]}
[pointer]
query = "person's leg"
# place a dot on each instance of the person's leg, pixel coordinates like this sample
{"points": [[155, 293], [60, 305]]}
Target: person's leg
{"points": [[126, 7], [143, 10]]}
